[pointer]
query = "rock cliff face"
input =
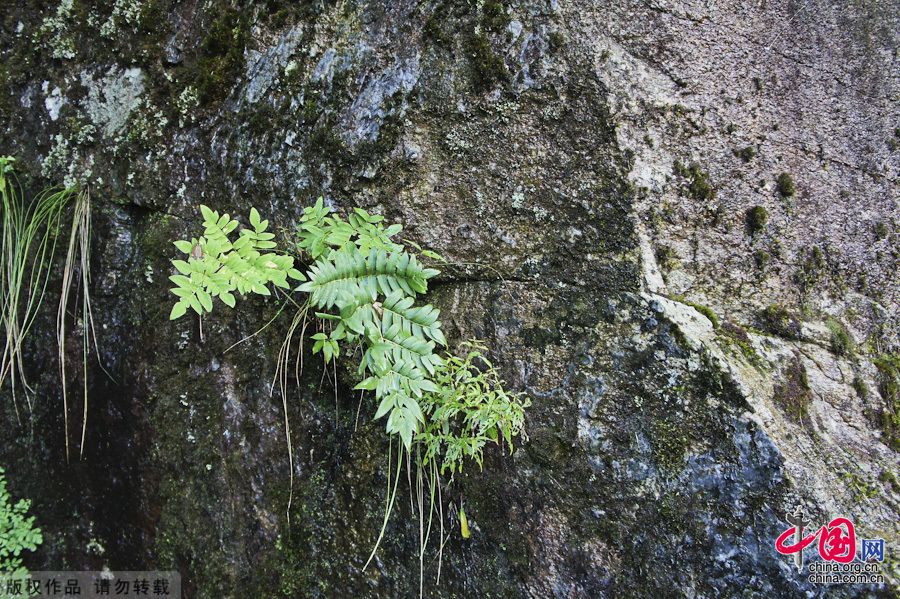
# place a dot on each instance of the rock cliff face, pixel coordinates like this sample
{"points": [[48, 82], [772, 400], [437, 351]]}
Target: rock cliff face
{"points": [[674, 222]]}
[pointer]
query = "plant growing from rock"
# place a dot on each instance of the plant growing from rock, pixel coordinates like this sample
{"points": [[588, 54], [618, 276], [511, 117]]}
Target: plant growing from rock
{"points": [[29, 234], [785, 185], [217, 267], [17, 532], [364, 290], [30, 231]]}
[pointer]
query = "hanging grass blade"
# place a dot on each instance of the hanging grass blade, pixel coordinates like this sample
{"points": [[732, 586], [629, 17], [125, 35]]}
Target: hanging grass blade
{"points": [[80, 245], [29, 231]]}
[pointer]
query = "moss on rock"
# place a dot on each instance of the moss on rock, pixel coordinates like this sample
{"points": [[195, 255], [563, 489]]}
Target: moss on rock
{"points": [[785, 185], [757, 218], [778, 320], [793, 393], [221, 58], [489, 69], [888, 366], [698, 184], [841, 342]]}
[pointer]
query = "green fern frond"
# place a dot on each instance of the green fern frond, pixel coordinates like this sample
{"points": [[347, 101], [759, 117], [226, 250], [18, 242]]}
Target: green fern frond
{"points": [[322, 236], [378, 273], [396, 313], [217, 266], [399, 313]]}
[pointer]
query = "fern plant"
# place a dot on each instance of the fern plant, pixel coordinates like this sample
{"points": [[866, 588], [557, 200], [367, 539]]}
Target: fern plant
{"points": [[366, 284], [17, 531], [469, 409], [365, 289], [218, 267]]}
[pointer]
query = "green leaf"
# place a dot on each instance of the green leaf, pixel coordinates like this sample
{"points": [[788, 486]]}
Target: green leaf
{"points": [[195, 304], [386, 405], [227, 298], [205, 300], [181, 281], [326, 316], [433, 255], [184, 246], [178, 310], [182, 266], [208, 214], [254, 218], [406, 433], [368, 384]]}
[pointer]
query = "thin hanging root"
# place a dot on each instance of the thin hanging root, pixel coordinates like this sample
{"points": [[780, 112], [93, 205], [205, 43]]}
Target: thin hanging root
{"points": [[68, 274], [441, 539], [259, 330], [298, 363], [420, 500], [431, 507], [80, 242], [281, 373], [334, 370], [412, 507], [425, 531], [358, 410], [87, 316], [390, 496]]}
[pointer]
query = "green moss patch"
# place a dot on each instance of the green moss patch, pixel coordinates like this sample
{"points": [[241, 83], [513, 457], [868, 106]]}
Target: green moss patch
{"points": [[757, 218], [785, 185], [888, 366], [778, 320], [488, 68], [793, 394], [221, 56], [698, 184], [841, 342], [704, 310], [746, 154], [736, 336], [670, 443]]}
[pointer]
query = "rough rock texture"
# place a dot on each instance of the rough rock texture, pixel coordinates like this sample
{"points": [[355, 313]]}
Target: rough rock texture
{"points": [[674, 222]]}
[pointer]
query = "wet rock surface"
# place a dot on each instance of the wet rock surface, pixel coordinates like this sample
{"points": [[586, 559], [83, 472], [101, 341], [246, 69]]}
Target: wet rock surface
{"points": [[588, 171]]}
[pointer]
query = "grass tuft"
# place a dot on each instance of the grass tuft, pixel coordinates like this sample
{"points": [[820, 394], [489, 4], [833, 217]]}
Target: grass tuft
{"points": [[29, 231]]}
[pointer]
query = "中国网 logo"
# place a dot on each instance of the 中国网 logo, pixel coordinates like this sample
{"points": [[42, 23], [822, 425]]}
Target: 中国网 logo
{"points": [[837, 549]]}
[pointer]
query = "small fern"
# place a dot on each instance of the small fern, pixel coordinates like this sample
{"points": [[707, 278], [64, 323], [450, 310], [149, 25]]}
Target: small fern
{"points": [[322, 235], [373, 296], [216, 266], [469, 408], [17, 531], [349, 271]]}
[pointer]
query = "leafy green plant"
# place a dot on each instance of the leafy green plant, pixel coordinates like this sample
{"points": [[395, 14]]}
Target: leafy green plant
{"points": [[364, 289], [365, 285], [841, 341], [469, 409], [216, 266], [17, 531]]}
